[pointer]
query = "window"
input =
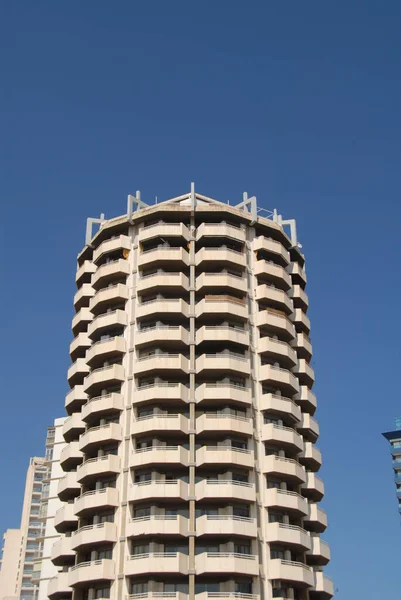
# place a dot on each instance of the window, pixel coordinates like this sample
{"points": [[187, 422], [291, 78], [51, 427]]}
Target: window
{"points": [[277, 554], [242, 548], [143, 477], [140, 549], [241, 511], [243, 587], [139, 588]]}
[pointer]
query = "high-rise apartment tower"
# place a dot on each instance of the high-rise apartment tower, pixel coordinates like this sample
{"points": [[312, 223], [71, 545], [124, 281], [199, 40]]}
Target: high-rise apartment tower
{"points": [[394, 437], [191, 465]]}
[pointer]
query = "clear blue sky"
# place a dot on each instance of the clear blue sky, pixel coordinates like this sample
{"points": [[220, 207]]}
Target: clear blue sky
{"points": [[295, 102]]}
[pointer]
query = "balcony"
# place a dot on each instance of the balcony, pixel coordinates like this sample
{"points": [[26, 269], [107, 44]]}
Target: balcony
{"points": [[121, 242], [289, 535], [96, 500], [102, 406], [84, 273], [223, 392], [290, 502], [311, 457], [154, 423], [287, 468], [298, 274], [102, 465], [164, 254], [162, 306], [223, 280], [168, 335], [286, 570], [303, 346], [159, 455], [156, 562], [80, 321], [79, 345], [281, 406], [299, 298], [278, 350], [275, 323], [107, 321], [110, 272], [73, 427], [91, 535], [301, 321], [100, 435], [224, 455], [83, 295], [305, 373], [70, 456], [226, 525], [104, 377], [62, 552], [158, 489], [226, 362], [58, 587], [222, 255], [161, 391], [235, 335], [272, 247], [323, 585], [227, 562], [280, 378], [306, 399], [274, 273], [157, 525], [94, 571], [313, 488], [275, 298], [319, 553], [220, 306], [106, 350], [316, 519], [220, 230], [216, 423], [68, 487], [163, 230], [284, 437], [65, 518], [77, 372], [115, 294], [161, 280], [170, 364]]}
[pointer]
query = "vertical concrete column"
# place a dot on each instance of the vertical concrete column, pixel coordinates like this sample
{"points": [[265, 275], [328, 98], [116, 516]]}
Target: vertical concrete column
{"points": [[192, 424]]}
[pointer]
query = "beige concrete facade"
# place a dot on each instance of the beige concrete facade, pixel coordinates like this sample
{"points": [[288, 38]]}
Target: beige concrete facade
{"points": [[190, 469]]}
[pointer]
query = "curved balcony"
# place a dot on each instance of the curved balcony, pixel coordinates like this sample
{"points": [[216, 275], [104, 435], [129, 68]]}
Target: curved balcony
{"points": [[156, 525], [73, 427], [156, 562], [316, 519], [305, 373], [319, 554], [96, 500], [168, 335], [226, 362], [306, 399], [274, 298], [162, 280], [216, 423], [211, 333], [58, 587], [225, 455], [284, 437], [62, 552], [174, 306], [278, 377], [220, 306], [98, 436], [84, 273], [162, 230], [287, 468], [303, 346], [287, 501], [278, 350], [80, 321], [323, 585], [83, 295], [90, 572], [79, 346], [311, 457], [313, 487], [225, 489], [282, 406], [159, 455], [65, 519], [106, 349], [108, 320], [301, 321], [77, 372], [226, 525], [276, 250], [115, 294], [102, 465], [110, 272], [295, 572], [223, 392], [154, 423], [121, 242], [221, 230], [168, 364], [68, 487], [164, 254], [299, 297], [224, 256], [165, 391], [218, 281], [275, 323], [273, 273], [70, 456], [91, 535], [298, 274], [227, 562], [101, 406], [290, 535], [104, 377], [158, 489]]}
